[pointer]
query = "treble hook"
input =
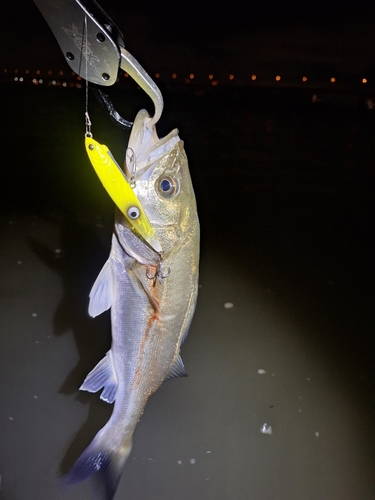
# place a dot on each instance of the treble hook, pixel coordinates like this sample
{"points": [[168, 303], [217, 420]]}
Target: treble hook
{"points": [[158, 273], [132, 161]]}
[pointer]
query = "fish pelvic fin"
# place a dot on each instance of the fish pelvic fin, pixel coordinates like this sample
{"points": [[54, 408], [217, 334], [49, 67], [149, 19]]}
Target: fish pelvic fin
{"points": [[103, 375], [177, 370], [101, 295], [102, 465]]}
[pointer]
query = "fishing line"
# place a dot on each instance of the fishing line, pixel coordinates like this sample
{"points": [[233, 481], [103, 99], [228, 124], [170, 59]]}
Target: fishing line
{"points": [[85, 45]]}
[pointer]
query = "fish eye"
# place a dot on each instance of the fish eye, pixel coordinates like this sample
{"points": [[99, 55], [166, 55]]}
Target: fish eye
{"points": [[167, 187], [133, 212]]}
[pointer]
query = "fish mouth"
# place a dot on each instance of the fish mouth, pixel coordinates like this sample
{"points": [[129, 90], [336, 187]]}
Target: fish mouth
{"points": [[145, 148]]}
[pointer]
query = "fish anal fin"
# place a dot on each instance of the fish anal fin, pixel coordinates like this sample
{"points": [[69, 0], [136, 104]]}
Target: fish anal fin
{"points": [[103, 375], [101, 295], [177, 370]]}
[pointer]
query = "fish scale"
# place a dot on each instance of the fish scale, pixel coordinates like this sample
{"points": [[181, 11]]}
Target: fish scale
{"points": [[152, 297]]}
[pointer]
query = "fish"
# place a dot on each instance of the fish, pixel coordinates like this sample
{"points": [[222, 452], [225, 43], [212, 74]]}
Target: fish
{"points": [[152, 296]]}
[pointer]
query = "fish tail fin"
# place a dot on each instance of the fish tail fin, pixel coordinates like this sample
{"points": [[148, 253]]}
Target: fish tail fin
{"points": [[103, 465]]}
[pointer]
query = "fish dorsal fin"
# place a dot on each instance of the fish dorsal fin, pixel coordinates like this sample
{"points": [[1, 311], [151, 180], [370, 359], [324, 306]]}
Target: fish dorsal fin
{"points": [[101, 295], [103, 375], [177, 370]]}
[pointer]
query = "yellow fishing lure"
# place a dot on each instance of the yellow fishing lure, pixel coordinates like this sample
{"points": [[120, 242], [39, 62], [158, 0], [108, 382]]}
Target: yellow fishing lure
{"points": [[120, 190]]}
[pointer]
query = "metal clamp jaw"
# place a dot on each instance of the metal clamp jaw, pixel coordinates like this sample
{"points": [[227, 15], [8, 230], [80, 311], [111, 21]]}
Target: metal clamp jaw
{"points": [[94, 47]]}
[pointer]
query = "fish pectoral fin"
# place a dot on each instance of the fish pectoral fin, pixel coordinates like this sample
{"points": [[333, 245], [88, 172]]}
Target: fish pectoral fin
{"points": [[177, 370], [103, 375], [101, 295]]}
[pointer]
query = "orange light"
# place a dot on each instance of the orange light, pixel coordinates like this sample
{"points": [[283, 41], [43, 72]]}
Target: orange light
{"points": [[27, 72], [214, 83], [333, 80], [253, 77], [278, 78], [49, 72], [191, 76], [5, 70], [16, 70], [38, 71], [174, 76], [126, 75], [210, 77], [61, 73], [364, 80], [304, 78], [231, 77], [157, 75]]}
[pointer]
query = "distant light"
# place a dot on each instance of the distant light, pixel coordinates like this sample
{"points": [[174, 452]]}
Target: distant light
{"points": [[364, 80], [35, 81], [231, 77], [40, 81], [214, 83], [27, 72], [37, 71], [16, 78], [71, 84], [191, 76], [210, 77], [333, 80], [174, 76], [16, 70], [49, 72], [126, 75], [61, 73], [304, 78], [53, 82], [187, 80], [64, 84], [278, 78], [79, 78], [5, 70], [157, 75], [21, 79], [73, 74], [253, 77]]}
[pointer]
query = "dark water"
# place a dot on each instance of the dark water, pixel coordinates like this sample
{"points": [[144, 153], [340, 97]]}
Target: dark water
{"points": [[285, 196]]}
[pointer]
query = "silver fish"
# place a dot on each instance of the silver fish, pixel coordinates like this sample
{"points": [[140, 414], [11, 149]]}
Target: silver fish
{"points": [[152, 296]]}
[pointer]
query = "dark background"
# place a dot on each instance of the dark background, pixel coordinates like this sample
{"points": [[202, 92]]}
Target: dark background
{"points": [[284, 189]]}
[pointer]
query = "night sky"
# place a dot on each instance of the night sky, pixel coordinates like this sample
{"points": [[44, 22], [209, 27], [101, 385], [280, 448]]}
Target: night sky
{"points": [[212, 36]]}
